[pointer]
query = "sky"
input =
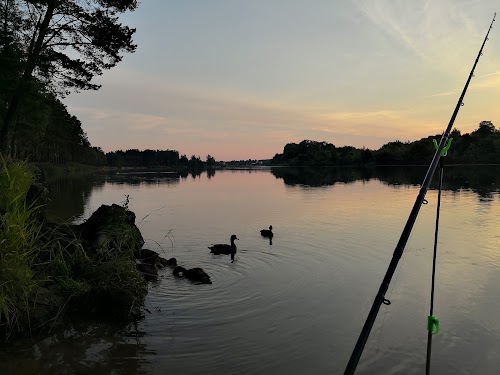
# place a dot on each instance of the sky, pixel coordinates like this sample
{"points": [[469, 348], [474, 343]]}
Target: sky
{"points": [[240, 79]]}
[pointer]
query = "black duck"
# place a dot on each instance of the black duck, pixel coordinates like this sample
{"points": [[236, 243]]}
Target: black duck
{"points": [[224, 248], [196, 275], [221, 248], [267, 232]]}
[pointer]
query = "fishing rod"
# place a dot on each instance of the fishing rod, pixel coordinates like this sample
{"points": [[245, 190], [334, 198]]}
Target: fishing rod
{"points": [[432, 321], [398, 252]]}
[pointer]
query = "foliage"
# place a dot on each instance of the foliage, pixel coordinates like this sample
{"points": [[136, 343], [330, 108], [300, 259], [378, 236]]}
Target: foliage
{"points": [[65, 43], [480, 146], [48, 133], [45, 130], [146, 158], [54, 46], [210, 162], [156, 158]]}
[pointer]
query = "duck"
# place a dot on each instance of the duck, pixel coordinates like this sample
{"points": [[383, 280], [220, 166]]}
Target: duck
{"points": [[196, 275], [224, 248], [220, 248], [267, 232]]}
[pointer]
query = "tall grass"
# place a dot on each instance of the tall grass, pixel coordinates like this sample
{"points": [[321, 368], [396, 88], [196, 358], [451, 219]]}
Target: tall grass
{"points": [[19, 234], [45, 268]]}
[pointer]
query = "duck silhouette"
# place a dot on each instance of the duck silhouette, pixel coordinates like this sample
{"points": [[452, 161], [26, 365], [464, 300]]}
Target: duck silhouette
{"points": [[196, 275], [267, 232], [220, 248]]}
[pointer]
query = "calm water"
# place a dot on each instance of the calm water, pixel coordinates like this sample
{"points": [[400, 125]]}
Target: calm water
{"points": [[295, 306]]}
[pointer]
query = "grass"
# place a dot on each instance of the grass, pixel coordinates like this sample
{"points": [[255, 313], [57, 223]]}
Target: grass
{"points": [[19, 233], [45, 269]]}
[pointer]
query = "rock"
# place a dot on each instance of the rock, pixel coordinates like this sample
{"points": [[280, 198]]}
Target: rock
{"points": [[172, 262], [149, 257], [110, 231], [145, 254], [152, 257]]}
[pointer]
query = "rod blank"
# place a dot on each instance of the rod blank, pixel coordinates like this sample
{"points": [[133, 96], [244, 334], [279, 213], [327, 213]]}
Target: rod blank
{"points": [[398, 252]]}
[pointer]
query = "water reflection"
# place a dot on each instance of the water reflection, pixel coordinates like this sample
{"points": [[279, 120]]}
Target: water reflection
{"points": [[83, 348], [481, 179], [68, 196], [299, 305], [191, 172], [210, 173], [144, 178], [315, 177]]}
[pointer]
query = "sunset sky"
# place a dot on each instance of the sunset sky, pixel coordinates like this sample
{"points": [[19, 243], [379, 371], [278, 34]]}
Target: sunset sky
{"points": [[240, 79]]}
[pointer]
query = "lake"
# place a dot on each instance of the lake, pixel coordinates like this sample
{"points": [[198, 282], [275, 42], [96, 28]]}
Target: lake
{"points": [[296, 305]]}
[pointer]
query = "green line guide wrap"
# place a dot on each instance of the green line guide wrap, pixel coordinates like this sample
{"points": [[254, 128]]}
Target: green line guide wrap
{"points": [[433, 324], [445, 149]]}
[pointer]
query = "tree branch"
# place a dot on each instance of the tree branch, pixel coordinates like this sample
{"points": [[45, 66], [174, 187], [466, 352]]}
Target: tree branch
{"points": [[68, 44], [57, 32]]}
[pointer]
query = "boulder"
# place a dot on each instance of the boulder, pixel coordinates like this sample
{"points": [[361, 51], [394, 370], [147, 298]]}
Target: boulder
{"points": [[109, 232]]}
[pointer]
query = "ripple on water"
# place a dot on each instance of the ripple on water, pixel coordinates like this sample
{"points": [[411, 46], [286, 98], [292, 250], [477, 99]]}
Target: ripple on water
{"points": [[251, 295]]}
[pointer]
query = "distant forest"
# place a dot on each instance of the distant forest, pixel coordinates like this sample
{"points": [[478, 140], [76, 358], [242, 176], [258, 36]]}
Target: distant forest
{"points": [[157, 158], [481, 146]]}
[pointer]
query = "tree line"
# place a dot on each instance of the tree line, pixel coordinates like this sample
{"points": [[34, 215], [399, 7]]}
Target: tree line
{"points": [[482, 146], [157, 158]]}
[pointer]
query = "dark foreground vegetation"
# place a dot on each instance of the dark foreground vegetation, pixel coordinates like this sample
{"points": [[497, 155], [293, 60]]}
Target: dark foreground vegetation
{"points": [[482, 146], [48, 49], [49, 270]]}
